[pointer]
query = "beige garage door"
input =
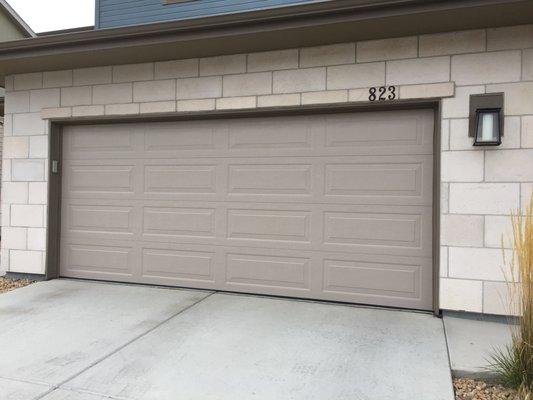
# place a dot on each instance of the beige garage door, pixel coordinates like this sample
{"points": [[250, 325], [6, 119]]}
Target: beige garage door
{"points": [[333, 206]]}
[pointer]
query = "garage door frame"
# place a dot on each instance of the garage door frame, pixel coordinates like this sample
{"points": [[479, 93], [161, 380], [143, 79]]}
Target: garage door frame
{"points": [[55, 162]]}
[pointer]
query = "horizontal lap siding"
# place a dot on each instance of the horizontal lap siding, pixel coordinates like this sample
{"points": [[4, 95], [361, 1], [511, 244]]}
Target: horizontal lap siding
{"points": [[112, 13]]}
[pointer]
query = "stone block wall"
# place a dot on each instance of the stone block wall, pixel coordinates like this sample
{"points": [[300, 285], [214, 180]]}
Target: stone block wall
{"points": [[480, 186]]}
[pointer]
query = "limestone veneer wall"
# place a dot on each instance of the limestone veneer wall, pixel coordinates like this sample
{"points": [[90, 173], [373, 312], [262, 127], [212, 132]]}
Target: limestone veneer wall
{"points": [[479, 185]]}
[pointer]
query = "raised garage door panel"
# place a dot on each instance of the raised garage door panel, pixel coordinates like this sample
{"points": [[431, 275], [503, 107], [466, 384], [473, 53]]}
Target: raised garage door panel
{"points": [[333, 206]]}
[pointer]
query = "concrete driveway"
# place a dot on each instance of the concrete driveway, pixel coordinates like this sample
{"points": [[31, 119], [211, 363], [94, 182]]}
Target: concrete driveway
{"points": [[78, 340]]}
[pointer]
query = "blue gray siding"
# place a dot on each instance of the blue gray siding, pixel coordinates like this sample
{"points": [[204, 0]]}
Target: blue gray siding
{"points": [[112, 13]]}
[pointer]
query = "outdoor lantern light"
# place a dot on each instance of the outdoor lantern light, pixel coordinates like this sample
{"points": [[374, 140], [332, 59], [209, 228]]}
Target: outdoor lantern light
{"points": [[486, 119]]}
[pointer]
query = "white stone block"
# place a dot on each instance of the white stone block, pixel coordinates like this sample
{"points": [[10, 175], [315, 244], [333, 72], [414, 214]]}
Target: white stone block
{"points": [[154, 91], [37, 239], [527, 65], [440, 44], [133, 72], [113, 94], [122, 109], [511, 137], [444, 197], [76, 96], [158, 107], [38, 146], [459, 106], [443, 264], [222, 65], [28, 124], [8, 125], [459, 139], [325, 97], [9, 83], [88, 111], [278, 100], [387, 49], [481, 68], [247, 84], [477, 263], [15, 147], [57, 79], [498, 228], [14, 192], [26, 261], [27, 215], [32, 80], [428, 90], [93, 76], [509, 37], [526, 192], [4, 262], [14, 238], [509, 165], [484, 198], [359, 95], [335, 54], [38, 193], [273, 60], [518, 99], [418, 70], [199, 88], [462, 166], [233, 103], [356, 76], [462, 230], [177, 69], [500, 298], [299, 80], [196, 105], [58, 112], [17, 102], [461, 295], [527, 131], [445, 135], [43, 98], [27, 170], [6, 170]]}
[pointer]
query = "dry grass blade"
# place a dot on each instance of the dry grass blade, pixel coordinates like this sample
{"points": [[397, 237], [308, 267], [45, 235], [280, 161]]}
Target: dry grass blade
{"points": [[515, 363]]}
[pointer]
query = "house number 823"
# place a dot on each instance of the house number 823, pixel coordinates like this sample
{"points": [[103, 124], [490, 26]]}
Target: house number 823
{"points": [[382, 93]]}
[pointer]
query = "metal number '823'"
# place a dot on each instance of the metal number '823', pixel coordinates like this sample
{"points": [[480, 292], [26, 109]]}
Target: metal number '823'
{"points": [[382, 93]]}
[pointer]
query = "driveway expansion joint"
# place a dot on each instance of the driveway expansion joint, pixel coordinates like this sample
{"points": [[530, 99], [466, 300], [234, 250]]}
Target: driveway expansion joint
{"points": [[119, 348]]}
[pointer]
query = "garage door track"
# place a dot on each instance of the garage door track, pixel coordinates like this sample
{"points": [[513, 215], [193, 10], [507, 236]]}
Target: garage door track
{"points": [[80, 340]]}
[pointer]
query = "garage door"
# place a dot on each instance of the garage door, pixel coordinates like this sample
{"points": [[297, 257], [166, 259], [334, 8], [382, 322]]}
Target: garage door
{"points": [[333, 206]]}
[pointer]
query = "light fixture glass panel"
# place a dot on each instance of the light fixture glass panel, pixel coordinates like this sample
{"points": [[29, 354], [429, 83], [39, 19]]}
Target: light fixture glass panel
{"points": [[488, 127]]}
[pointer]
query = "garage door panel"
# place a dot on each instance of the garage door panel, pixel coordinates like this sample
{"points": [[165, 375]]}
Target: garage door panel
{"points": [[179, 222], [108, 220], [333, 206], [178, 265], [389, 133], [248, 270], [86, 260], [94, 141], [406, 281], [344, 180], [378, 135], [180, 179], [377, 229], [176, 137], [271, 225]]}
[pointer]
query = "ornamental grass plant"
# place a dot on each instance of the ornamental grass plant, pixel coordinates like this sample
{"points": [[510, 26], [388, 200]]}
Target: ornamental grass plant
{"points": [[514, 363]]}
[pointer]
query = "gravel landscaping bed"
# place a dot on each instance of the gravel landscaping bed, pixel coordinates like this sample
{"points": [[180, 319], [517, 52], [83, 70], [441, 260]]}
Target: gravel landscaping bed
{"points": [[9, 284], [469, 389]]}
